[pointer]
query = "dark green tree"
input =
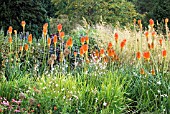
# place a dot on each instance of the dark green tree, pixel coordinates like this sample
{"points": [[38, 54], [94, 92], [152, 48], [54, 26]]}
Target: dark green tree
{"points": [[111, 11], [12, 12]]}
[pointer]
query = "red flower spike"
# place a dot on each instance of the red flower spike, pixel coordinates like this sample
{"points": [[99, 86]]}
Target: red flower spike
{"points": [[151, 22], [164, 53], [146, 55], [59, 27]]}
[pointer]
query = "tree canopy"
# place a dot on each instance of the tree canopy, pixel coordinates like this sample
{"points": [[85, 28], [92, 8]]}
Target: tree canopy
{"points": [[109, 11], [34, 12]]}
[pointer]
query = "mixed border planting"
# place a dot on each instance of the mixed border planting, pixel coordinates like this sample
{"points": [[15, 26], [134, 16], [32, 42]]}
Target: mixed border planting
{"points": [[85, 73]]}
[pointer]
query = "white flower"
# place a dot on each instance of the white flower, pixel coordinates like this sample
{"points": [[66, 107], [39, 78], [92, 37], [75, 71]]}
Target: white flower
{"points": [[159, 91], [104, 104], [64, 97], [159, 83], [56, 85], [62, 89]]}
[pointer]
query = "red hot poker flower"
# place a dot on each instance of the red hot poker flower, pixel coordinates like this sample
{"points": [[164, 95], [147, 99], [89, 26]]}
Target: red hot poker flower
{"points": [[85, 48], [59, 27], [10, 30], [151, 22], [61, 35], [164, 53], [81, 51], [69, 42], [139, 22], [160, 41], [146, 55], [75, 54], [110, 45], [26, 47], [122, 44], [23, 23], [55, 40], [116, 37], [166, 20], [49, 42], [30, 39], [10, 40], [138, 55], [102, 52], [82, 40], [86, 39]]}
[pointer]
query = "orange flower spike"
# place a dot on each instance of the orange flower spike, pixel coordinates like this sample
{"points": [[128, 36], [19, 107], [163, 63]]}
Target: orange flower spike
{"points": [[82, 40], [134, 21], [70, 42], [146, 55], [85, 48], [49, 42], [124, 40], [110, 45], [45, 31], [122, 44], [75, 54], [164, 53], [10, 30], [81, 51], [153, 72], [102, 52], [26, 47], [61, 34], [59, 27], [153, 34], [166, 20], [45, 26], [96, 53], [147, 35], [86, 39], [116, 37], [139, 22], [111, 52], [152, 45], [30, 39], [149, 45], [10, 40], [151, 22], [15, 32], [55, 40], [160, 41], [138, 55], [142, 71], [21, 48], [23, 23]]}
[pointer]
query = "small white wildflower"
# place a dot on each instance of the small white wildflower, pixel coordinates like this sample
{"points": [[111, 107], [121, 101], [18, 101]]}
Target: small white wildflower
{"points": [[71, 92], [75, 96], [56, 85], [96, 100], [44, 88], [64, 97], [159, 91], [62, 89], [48, 75], [104, 104], [159, 83]]}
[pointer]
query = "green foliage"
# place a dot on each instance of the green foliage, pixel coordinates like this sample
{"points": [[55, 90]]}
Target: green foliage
{"points": [[70, 94], [96, 11], [155, 9], [35, 13]]}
